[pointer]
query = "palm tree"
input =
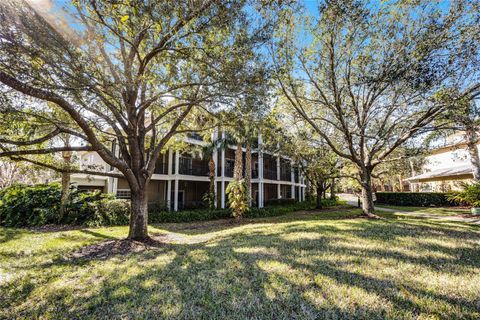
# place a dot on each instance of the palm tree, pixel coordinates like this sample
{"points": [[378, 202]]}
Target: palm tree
{"points": [[208, 151]]}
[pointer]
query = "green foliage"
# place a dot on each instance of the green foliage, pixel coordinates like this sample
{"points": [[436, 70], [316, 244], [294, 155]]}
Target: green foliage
{"points": [[22, 205], [188, 215], [207, 214], [237, 197], [38, 205], [469, 195], [209, 199], [416, 199]]}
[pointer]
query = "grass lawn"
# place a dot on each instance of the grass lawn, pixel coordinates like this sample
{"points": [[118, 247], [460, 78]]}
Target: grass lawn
{"points": [[447, 211], [304, 266]]}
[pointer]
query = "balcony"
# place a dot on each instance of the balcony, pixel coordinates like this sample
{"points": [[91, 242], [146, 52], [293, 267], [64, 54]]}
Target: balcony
{"points": [[193, 167], [161, 168], [270, 174], [285, 175]]}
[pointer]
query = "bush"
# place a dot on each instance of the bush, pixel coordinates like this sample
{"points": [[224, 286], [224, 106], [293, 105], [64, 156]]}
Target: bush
{"points": [[206, 214], [470, 195], [24, 206], [414, 199], [110, 212], [188, 215]]}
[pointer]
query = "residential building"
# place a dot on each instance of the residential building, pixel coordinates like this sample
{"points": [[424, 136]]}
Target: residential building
{"points": [[446, 168], [180, 179]]}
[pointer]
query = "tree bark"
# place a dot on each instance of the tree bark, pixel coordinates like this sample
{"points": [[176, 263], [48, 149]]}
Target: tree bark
{"points": [[319, 190], [139, 216], [67, 158], [332, 189], [238, 167], [211, 176], [367, 193], [472, 140], [248, 172]]}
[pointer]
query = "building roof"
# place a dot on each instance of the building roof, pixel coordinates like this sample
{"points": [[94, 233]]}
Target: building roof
{"points": [[442, 173]]}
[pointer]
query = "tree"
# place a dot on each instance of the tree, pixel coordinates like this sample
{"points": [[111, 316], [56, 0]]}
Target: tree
{"points": [[369, 73], [315, 160], [128, 74], [208, 151]]}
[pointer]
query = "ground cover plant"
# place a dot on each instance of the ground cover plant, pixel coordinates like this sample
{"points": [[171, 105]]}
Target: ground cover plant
{"points": [[310, 265]]}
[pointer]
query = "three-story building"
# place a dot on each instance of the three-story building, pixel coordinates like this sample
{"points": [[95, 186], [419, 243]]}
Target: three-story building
{"points": [[180, 179]]}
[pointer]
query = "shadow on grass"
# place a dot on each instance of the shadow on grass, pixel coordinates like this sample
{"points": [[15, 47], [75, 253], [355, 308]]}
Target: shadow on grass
{"points": [[8, 234], [283, 270]]}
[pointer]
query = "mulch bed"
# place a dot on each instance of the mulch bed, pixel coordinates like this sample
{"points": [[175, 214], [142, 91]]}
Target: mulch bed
{"points": [[109, 248]]}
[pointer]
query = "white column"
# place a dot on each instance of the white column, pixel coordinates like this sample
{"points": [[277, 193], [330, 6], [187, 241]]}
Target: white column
{"points": [[292, 180], [175, 190], [215, 158], [278, 178], [175, 196], [222, 165], [222, 175], [115, 186], [261, 191], [222, 192], [170, 161], [169, 194]]}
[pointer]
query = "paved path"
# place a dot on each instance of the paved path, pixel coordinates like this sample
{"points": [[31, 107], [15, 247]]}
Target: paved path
{"points": [[353, 201]]}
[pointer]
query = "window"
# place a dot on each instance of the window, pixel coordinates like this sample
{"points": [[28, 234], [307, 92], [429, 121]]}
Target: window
{"points": [[123, 194]]}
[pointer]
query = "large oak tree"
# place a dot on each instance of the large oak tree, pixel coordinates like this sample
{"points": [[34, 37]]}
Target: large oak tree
{"points": [[127, 73], [369, 72]]}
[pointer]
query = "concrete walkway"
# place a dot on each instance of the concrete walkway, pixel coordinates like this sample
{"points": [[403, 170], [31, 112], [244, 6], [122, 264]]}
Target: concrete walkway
{"points": [[353, 201]]}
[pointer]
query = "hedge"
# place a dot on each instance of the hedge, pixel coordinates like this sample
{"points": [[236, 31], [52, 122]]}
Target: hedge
{"points": [[414, 199], [39, 205], [207, 214]]}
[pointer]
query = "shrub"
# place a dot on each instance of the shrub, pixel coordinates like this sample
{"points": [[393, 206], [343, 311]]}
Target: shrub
{"points": [[469, 195], [207, 214], [22, 205], [416, 199], [237, 197], [188, 215], [110, 212]]}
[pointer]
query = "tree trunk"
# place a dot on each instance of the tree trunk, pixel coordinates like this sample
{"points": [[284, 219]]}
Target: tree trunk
{"points": [[472, 140], [238, 167], [248, 172], [332, 189], [67, 158], [367, 194], [319, 196], [211, 176], [139, 216]]}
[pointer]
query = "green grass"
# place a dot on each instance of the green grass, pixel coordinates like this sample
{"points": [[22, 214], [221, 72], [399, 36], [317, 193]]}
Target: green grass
{"points": [[304, 266], [447, 211]]}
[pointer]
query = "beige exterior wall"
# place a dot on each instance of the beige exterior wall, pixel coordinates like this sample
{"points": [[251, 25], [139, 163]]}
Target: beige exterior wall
{"points": [[445, 158], [156, 190]]}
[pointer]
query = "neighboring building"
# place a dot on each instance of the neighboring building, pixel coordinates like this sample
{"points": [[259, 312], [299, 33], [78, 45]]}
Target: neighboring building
{"points": [[180, 180], [446, 168]]}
